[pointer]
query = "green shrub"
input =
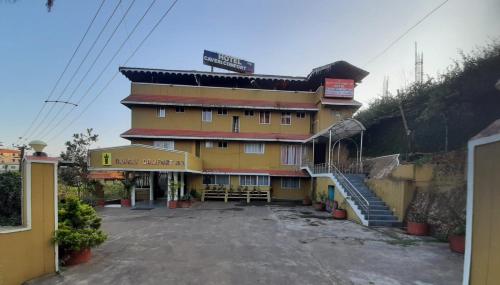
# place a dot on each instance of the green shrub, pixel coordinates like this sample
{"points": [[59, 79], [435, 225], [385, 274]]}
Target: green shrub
{"points": [[79, 226], [10, 199], [113, 190]]}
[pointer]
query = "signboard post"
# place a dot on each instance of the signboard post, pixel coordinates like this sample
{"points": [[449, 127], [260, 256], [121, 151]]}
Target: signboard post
{"points": [[227, 62], [339, 88]]}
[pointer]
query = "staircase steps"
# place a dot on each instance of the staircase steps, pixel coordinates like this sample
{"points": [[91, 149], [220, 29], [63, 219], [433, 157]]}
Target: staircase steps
{"points": [[380, 214]]}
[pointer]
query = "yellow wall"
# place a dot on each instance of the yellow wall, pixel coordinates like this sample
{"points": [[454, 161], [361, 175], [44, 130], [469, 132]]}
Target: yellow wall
{"points": [[223, 93], [146, 117], [290, 194], [485, 260], [322, 187], [137, 155], [195, 181], [396, 193], [29, 254]]}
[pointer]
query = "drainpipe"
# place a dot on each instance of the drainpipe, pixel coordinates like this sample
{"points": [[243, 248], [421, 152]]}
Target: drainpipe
{"points": [[329, 149], [361, 154]]}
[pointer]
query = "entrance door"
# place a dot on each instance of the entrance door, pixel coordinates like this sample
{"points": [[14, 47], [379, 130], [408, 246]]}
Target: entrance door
{"points": [[236, 124], [320, 153]]}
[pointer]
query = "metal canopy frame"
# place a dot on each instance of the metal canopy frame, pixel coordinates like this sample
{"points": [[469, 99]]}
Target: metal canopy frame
{"points": [[336, 133]]}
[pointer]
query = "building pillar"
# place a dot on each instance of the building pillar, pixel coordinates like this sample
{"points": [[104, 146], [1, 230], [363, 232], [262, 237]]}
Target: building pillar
{"points": [[169, 179], [313, 154], [151, 179], [176, 183], [361, 154], [132, 195], [182, 184]]}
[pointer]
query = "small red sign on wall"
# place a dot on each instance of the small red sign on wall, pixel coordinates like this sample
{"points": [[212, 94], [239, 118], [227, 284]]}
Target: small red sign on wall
{"points": [[339, 88]]}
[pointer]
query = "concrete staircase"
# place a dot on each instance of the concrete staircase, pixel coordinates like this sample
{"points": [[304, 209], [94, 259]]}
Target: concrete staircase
{"points": [[380, 214]]}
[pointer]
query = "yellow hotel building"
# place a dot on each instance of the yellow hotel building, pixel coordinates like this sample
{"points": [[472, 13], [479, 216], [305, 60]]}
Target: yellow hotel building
{"points": [[234, 133]]}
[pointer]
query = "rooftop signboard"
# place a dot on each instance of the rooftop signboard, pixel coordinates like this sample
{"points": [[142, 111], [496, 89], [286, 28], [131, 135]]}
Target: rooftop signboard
{"points": [[227, 62], [339, 88]]}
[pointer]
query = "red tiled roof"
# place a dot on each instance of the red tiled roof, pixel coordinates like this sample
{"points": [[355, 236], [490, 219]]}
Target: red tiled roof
{"points": [[216, 102], [294, 173], [6, 150], [189, 134], [106, 175], [345, 102]]}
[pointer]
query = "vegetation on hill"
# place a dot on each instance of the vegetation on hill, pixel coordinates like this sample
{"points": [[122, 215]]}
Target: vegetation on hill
{"points": [[442, 113]]}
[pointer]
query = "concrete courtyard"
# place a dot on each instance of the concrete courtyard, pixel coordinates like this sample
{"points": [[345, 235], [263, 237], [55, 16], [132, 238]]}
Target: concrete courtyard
{"points": [[217, 243]]}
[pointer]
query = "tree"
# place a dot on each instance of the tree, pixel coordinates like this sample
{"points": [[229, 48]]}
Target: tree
{"points": [[76, 174]]}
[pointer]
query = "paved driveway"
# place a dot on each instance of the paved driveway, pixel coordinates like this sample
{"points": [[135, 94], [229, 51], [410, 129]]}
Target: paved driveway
{"points": [[217, 243]]}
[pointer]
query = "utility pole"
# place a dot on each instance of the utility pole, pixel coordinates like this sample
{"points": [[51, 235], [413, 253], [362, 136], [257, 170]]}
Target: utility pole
{"points": [[405, 124], [22, 148]]}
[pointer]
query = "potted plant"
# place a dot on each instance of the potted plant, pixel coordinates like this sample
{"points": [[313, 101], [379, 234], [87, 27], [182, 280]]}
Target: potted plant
{"points": [[172, 204], [125, 193], [194, 194], [417, 224], [306, 201], [324, 199], [78, 231], [318, 205], [340, 212], [457, 239]]}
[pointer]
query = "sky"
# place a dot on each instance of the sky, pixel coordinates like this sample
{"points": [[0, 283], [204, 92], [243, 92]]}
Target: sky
{"points": [[282, 37]]}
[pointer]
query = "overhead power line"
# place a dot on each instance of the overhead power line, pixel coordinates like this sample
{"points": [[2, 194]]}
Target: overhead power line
{"points": [[406, 32], [80, 65], [116, 73], [64, 71], [89, 69], [105, 67]]}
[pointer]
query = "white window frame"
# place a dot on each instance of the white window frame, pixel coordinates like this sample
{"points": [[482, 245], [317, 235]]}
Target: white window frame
{"points": [[216, 176], [206, 115], [222, 111], [161, 112], [249, 113], [301, 115], [293, 187], [245, 178], [286, 156], [261, 113], [254, 148], [209, 144], [168, 145], [220, 144], [285, 116]]}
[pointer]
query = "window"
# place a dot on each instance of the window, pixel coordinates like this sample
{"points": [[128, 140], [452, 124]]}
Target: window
{"points": [[301, 114], [161, 112], [209, 144], [265, 117], [257, 148], [290, 154], [337, 114], [179, 109], [222, 111], [254, 180], [290, 183], [286, 118], [206, 115], [169, 145], [249, 113], [216, 179], [222, 144]]}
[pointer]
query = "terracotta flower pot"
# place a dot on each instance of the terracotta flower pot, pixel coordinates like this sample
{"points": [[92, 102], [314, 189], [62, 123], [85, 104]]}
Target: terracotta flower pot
{"points": [[457, 243], [125, 203], [306, 201], [339, 214], [418, 229], [78, 257], [172, 204], [318, 206]]}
